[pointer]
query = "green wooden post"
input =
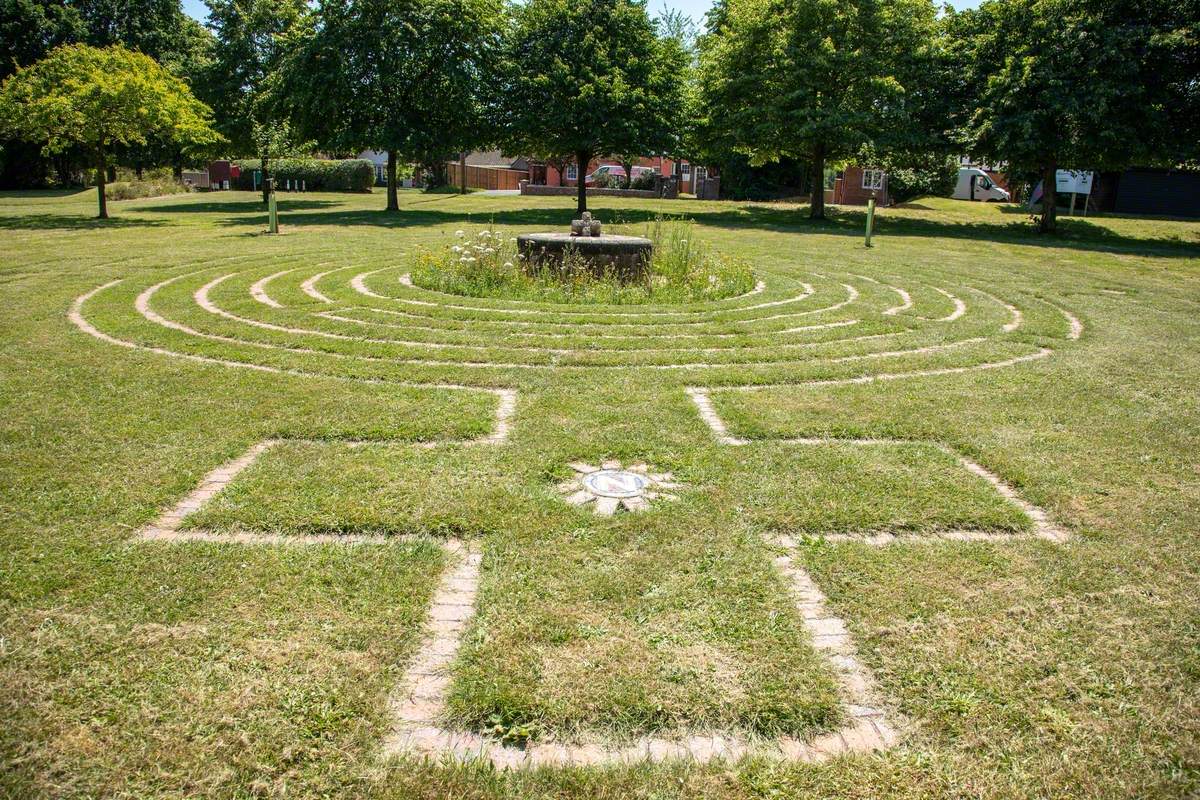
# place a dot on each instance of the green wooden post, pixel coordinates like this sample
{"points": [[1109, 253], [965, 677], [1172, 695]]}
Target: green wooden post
{"points": [[870, 218], [273, 226]]}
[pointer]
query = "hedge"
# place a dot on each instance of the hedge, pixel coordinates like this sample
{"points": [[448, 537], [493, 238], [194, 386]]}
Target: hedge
{"points": [[349, 175]]}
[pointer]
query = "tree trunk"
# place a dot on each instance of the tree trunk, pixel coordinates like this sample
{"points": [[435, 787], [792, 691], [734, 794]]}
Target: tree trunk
{"points": [[177, 168], [139, 171], [1049, 221], [393, 199], [265, 163], [101, 174], [628, 167], [816, 205], [462, 173], [582, 159]]}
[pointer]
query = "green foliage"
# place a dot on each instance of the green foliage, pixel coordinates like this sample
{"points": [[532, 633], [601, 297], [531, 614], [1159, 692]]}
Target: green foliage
{"points": [[810, 79], [31, 28], [913, 174], [608, 181], [347, 175], [97, 99], [487, 264], [240, 80], [590, 78], [643, 182], [408, 78], [157, 183], [1078, 84]]}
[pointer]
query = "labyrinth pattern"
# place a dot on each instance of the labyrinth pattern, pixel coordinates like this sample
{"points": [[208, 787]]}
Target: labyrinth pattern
{"points": [[374, 326]]}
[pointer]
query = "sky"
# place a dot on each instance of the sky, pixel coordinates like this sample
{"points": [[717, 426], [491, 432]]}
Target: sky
{"points": [[696, 9]]}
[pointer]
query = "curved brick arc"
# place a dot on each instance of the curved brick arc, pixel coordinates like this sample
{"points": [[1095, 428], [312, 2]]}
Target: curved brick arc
{"points": [[203, 300], [749, 353]]}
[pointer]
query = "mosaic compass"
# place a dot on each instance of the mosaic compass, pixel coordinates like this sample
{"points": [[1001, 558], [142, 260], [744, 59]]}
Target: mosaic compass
{"points": [[611, 486]]}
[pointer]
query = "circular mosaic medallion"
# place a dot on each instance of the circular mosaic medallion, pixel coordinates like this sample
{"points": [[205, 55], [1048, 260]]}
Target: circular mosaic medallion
{"points": [[613, 486], [615, 483]]}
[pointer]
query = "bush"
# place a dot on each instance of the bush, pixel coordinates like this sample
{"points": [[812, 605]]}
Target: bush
{"points": [[644, 181], [923, 176], [154, 183], [318, 175], [607, 181]]}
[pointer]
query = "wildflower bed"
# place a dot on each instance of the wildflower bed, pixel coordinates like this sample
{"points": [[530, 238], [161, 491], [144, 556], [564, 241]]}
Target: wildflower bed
{"points": [[486, 263], [279, 522]]}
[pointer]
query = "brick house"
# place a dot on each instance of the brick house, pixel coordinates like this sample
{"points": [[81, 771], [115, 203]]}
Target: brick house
{"points": [[663, 165], [855, 185]]}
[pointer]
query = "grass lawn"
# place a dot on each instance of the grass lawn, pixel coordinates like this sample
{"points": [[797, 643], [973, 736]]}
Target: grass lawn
{"points": [[903, 389]]}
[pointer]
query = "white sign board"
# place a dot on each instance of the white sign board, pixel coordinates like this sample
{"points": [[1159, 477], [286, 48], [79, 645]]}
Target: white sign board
{"points": [[1077, 182]]}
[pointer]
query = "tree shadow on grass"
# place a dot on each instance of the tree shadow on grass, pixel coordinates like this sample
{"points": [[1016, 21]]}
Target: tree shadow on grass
{"points": [[245, 208], [1074, 233], [69, 222], [427, 210]]}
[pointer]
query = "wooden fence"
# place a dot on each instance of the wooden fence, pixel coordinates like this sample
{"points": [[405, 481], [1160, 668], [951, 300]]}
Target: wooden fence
{"points": [[487, 177]]}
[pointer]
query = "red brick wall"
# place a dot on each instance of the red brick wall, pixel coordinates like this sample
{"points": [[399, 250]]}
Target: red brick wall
{"points": [[848, 190]]}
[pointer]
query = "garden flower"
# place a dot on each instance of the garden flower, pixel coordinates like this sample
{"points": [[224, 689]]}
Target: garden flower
{"points": [[459, 234]]}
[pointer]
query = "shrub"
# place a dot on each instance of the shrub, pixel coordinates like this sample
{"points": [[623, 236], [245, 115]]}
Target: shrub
{"points": [[318, 175], [154, 183], [644, 181], [927, 176], [607, 181]]}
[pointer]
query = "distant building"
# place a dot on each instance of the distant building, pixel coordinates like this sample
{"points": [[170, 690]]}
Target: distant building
{"points": [[1147, 190]]}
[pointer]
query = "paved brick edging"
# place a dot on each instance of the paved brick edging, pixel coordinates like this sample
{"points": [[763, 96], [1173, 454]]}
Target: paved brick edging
{"points": [[419, 704], [1043, 526], [166, 527]]}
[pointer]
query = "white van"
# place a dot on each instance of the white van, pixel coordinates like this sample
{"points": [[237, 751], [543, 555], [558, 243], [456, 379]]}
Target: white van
{"points": [[974, 184]]}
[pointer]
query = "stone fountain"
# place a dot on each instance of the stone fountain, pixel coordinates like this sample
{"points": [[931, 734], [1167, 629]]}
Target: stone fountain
{"points": [[627, 258]]}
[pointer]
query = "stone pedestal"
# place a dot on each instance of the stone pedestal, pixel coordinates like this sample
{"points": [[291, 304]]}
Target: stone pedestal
{"points": [[626, 258]]}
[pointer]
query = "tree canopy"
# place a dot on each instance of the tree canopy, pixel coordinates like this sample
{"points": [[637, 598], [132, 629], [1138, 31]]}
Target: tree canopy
{"points": [[98, 98], [589, 79], [252, 40], [814, 79], [408, 77], [1073, 84]]}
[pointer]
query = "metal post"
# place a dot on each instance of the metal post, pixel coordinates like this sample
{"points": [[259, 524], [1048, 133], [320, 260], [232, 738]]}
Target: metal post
{"points": [[273, 225], [870, 218]]}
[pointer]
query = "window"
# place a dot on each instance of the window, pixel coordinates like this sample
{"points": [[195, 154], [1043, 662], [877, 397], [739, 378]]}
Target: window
{"points": [[873, 179], [572, 172], [701, 173], [687, 170]]}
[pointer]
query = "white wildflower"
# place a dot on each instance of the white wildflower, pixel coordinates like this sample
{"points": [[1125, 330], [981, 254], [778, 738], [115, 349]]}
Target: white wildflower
{"points": [[459, 234]]}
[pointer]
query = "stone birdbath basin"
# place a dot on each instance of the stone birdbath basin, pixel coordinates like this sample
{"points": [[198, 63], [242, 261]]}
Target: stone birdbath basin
{"points": [[626, 258]]}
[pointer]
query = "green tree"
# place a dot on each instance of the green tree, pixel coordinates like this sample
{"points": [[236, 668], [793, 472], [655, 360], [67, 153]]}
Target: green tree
{"points": [[590, 79], [814, 79], [245, 66], [276, 140], [1075, 84], [407, 77], [29, 29], [96, 99], [155, 27]]}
